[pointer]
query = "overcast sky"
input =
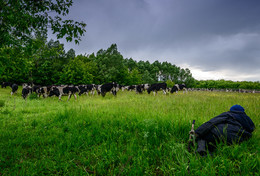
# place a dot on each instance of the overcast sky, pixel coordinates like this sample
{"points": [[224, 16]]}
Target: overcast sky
{"points": [[215, 39]]}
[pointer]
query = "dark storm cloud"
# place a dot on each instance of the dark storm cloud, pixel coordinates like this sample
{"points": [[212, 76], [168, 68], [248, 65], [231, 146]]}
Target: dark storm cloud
{"points": [[219, 36]]}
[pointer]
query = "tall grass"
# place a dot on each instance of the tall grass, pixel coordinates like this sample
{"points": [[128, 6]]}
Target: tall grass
{"points": [[125, 135]]}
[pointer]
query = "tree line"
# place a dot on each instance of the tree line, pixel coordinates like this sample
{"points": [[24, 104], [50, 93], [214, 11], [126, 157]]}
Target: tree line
{"points": [[46, 62], [226, 84]]}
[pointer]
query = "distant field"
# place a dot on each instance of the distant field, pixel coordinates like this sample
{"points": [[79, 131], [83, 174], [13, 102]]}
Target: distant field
{"points": [[125, 135]]}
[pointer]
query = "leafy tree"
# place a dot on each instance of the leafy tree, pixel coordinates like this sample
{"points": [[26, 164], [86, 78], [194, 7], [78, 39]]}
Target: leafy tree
{"points": [[48, 63], [21, 18], [135, 77], [130, 64], [76, 72], [13, 66], [111, 66], [146, 77], [71, 54]]}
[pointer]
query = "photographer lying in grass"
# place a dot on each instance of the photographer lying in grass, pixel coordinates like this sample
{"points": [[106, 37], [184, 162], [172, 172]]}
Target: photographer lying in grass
{"points": [[229, 127]]}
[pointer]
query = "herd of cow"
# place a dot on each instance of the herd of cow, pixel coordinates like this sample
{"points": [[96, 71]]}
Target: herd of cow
{"points": [[59, 91]]}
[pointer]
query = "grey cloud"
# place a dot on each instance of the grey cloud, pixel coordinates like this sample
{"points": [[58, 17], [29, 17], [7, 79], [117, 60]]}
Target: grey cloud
{"points": [[213, 35]]}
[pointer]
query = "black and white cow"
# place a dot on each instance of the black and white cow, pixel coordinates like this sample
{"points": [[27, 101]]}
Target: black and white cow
{"points": [[64, 90], [118, 87], [109, 87], [142, 87], [87, 88], [146, 86], [41, 90], [178, 87], [28, 84], [81, 87], [98, 89], [132, 87], [14, 88], [124, 88], [6, 84], [139, 88], [35, 88], [26, 91], [157, 87], [44, 91]]}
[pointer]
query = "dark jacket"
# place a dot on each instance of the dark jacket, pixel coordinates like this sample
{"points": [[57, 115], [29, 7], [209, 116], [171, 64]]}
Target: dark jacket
{"points": [[231, 126]]}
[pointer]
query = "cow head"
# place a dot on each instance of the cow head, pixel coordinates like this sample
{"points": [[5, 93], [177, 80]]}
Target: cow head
{"points": [[174, 89]]}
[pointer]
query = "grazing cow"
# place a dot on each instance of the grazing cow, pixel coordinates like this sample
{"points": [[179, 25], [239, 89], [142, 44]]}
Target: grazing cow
{"points": [[113, 87], [14, 88], [125, 88], [41, 90], [139, 88], [142, 87], [132, 87], [118, 87], [146, 86], [44, 91], [28, 84], [178, 87], [87, 88], [81, 87], [6, 84], [157, 87], [98, 88], [26, 91], [35, 88], [64, 90]]}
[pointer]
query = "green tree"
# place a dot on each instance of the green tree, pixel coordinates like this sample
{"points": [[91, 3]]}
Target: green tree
{"points": [[111, 66], [21, 18], [48, 63], [135, 77], [76, 72], [130, 64], [14, 66], [147, 78]]}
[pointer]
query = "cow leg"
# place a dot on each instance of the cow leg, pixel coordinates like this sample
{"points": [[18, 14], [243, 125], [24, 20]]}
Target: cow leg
{"points": [[60, 97], [75, 96], [154, 93], [164, 92], [69, 96]]}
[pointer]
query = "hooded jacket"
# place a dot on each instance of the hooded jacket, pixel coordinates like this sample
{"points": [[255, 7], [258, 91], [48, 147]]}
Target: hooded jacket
{"points": [[231, 126]]}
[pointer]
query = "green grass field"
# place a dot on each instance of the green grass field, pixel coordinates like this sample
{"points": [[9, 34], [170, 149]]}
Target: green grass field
{"points": [[125, 135]]}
